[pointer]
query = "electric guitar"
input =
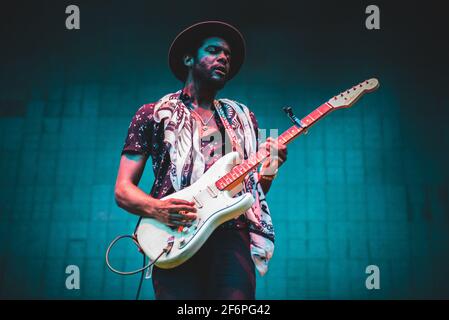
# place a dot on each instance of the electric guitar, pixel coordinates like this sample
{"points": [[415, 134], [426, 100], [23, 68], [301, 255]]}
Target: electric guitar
{"points": [[213, 194]]}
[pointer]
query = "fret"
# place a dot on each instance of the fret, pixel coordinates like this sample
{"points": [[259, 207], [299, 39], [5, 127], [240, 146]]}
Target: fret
{"points": [[219, 184], [252, 160], [324, 108], [237, 173], [239, 169], [316, 115], [282, 139], [307, 120]]}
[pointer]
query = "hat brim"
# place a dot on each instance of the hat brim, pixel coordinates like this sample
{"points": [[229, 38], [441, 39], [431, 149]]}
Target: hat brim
{"points": [[192, 35]]}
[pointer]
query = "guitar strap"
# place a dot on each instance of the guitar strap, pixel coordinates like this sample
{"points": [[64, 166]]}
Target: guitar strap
{"points": [[234, 140]]}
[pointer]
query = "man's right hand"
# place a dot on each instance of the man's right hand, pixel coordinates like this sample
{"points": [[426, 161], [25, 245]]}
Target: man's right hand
{"points": [[174, 212]]}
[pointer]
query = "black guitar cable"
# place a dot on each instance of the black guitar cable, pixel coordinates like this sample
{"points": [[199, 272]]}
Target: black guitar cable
{"points": [[141, 278], [167, 249]]}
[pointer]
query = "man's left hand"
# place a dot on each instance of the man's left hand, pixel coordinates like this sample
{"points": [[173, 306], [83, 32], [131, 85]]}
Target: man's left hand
{"points": [[278, 155]]}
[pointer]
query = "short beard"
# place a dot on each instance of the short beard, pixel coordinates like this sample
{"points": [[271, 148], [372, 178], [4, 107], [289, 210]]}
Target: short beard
{"points": [[209, 83], [214, 84]]}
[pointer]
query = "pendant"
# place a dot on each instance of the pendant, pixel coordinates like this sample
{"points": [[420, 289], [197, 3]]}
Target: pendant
{"points": [[205, 128]]}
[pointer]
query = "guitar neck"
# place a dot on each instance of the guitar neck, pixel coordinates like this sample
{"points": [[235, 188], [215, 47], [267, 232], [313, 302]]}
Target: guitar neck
{"points": [[238, 173]]}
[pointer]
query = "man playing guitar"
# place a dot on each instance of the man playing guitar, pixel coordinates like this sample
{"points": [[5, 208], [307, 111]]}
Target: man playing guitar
{"points": [[185, 133]]}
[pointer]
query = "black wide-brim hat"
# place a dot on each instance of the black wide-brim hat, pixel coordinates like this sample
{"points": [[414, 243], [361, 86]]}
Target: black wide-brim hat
{"points": [[191, 36]]}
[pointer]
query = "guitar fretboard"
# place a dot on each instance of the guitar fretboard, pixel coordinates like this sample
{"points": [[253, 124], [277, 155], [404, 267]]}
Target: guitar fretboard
{"points": [[240, 171]]}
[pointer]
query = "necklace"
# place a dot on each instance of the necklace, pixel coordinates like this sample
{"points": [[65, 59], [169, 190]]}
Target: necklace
{"points": [[205, 127]]}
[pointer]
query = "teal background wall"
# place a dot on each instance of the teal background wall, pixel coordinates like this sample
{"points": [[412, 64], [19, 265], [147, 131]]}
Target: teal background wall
{"points": [[368, 185]]}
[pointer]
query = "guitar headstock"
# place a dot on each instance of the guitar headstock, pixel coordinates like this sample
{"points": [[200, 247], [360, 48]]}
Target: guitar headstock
{"points": [[347, 98]]}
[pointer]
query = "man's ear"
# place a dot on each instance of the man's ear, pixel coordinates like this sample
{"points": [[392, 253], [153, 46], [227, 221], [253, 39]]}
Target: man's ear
{"points": [[188, 60]]}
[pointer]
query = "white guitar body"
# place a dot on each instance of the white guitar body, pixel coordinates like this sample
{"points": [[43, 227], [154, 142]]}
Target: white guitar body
{"points": [[214, 207]]}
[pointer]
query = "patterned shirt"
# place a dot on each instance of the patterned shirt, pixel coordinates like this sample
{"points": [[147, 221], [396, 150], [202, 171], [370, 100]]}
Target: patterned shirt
{"points": [[146, 137]]}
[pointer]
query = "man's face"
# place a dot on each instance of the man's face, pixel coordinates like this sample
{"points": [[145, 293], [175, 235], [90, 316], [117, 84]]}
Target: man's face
{"points": [[212, 63]]}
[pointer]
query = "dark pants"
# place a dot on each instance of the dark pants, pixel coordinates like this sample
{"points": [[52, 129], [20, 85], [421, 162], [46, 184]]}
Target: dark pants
{"points": [[221, 269]]}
